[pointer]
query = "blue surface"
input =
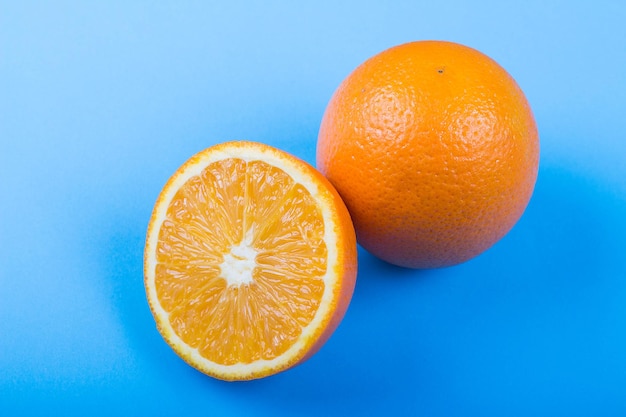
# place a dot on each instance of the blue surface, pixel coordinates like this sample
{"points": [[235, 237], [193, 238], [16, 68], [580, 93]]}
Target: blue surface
{"points": [[101, 101]]}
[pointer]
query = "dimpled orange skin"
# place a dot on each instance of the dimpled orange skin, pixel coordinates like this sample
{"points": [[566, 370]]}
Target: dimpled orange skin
{"points": [[435, 151]]}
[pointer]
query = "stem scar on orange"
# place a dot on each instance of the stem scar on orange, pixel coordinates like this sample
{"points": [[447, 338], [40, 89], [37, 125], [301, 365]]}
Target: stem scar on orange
{"points": [[434, 149], [250, 261]]}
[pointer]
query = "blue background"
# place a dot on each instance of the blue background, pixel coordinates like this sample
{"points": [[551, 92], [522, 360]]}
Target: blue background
{"points": [[101, 101]]}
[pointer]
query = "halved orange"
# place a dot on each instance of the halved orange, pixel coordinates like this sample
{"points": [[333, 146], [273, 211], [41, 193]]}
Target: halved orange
{"points": [[250, 261]]}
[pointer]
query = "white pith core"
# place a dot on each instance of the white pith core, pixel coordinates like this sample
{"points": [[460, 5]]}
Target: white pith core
{"points": [[239, 263]]}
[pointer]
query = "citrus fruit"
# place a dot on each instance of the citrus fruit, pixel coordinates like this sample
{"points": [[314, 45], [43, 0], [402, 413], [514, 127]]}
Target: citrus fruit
{"points": [[434, 149], [250, 261]]}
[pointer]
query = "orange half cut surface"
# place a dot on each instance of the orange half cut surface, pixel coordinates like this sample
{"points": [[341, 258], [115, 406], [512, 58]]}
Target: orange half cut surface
{"points": [[250, 261]]}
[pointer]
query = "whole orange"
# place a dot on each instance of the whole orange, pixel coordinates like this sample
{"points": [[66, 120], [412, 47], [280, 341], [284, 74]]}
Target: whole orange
{"points": [[434, 149]]}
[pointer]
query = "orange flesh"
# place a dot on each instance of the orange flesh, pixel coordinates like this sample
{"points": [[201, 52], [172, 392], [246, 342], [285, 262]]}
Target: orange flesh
{"points": [[230, 203]]}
